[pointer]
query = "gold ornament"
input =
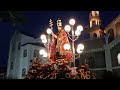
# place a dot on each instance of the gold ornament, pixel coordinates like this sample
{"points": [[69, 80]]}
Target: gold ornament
{"points": [[59, 23]]}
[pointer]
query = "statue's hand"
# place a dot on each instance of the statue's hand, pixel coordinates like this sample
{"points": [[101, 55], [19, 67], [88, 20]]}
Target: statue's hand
{"points": [[54, 35]]}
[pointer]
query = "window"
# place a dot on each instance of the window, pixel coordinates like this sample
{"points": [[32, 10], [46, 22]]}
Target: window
{"points": [[25, 53], [19, 46], [118, 57], [93, 23], [95, 35], [111, 35], [23, 72], [11, 65], [36, 53], [31, 60]]}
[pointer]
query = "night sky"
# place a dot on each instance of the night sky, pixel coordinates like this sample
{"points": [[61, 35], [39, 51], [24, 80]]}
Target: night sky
{"points": [[37, 21]]}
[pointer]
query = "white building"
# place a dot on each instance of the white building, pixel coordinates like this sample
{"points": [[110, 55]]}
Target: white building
{"points": [[23, 49]]}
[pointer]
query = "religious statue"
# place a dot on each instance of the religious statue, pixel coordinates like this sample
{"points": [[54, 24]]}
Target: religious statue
{"points": [[59, 39]]}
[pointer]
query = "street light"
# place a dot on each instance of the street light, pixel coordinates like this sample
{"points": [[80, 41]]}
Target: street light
{"points": [[72, 22], [118, 57], [80, 48], [67, 28], [49, 31], [75, 35], [46, 41], [80, 28], [43, 37], [43, 53], [67, 47]]}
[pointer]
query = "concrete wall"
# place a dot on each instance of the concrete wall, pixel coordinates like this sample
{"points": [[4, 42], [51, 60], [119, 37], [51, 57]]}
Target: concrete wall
{"points": [[26, 62], [14, 56], [93, 43], [99, 74], [99, 58]]}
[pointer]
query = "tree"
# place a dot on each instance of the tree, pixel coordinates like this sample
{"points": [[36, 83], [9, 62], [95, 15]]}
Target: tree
{"points": [[12, 17]]}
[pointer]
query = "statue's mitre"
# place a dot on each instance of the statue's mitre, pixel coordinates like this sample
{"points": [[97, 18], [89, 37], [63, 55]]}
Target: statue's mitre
{"points": [[59, 23]]}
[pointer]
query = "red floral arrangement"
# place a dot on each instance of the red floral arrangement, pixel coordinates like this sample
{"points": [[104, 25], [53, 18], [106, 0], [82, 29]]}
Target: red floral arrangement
{"points": [[58, 70]]}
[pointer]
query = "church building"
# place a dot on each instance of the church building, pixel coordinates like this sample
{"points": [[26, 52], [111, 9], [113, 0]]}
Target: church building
{"points": [[101, 49]]}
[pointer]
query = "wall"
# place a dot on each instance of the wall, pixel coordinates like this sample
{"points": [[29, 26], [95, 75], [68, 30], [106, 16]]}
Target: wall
{"points": [[14, 56], [114, 52], [93, 43], [26, 62], [99, 58]]}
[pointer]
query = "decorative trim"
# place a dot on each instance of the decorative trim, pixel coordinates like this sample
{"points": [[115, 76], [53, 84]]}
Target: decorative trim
{"points": [[36, 44], [117, 67], [117, 18], [94, 50], [99, 69]]}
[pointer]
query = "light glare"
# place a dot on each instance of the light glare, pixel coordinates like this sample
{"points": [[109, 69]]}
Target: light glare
{"points": [[49, 31], [72, 22], [67, 28], [43, 37], [41, 52], [81, 46], [80, 28], [67, 47]]}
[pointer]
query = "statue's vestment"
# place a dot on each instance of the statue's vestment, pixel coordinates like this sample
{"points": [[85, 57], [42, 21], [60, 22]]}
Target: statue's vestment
{"points": [[57, 45]]}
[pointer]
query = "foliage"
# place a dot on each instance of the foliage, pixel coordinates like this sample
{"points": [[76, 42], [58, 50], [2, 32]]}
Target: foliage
{"points": [[12, 17]]}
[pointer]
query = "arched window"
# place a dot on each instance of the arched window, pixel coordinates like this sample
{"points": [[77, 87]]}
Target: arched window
{"points": [[93, 23], [95, 35], [117, 26], [23, 72], [31, 61], [25, 53], [111, 35], [19, 46], [118, 57]]}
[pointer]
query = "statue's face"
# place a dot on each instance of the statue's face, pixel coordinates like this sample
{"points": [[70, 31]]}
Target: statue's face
{"points": [[59, 28]]}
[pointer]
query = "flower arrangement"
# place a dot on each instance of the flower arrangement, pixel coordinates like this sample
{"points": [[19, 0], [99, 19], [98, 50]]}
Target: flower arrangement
{"points": [[58, 70]]}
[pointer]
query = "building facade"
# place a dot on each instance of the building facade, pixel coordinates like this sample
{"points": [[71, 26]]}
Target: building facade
{"points": [[102, 49], [23, 49]]}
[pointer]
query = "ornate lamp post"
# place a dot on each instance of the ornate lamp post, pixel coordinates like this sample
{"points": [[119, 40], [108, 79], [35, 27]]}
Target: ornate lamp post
{"points": [[46, 40], [75, 35]]}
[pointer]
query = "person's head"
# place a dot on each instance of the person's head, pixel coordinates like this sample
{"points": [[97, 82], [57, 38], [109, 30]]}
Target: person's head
{"points": [[59, 24]]}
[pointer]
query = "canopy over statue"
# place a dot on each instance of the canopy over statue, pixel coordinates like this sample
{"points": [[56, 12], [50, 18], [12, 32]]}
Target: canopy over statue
{"points": [[57, 45]]}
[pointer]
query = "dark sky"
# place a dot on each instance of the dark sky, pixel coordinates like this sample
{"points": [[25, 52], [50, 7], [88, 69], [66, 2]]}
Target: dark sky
{"points": [[38, 21]]}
